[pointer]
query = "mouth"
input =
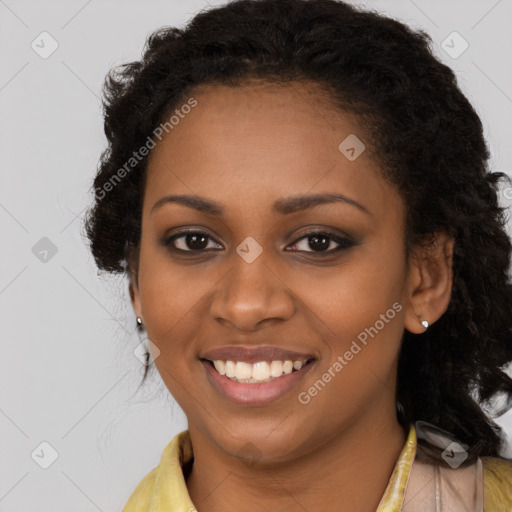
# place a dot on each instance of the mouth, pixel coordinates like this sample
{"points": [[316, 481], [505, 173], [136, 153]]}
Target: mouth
{"points": [[259, 372], [255, 375]]}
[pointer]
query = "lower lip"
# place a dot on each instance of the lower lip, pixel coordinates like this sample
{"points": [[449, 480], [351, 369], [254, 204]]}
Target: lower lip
{"points": [[254, 394]]}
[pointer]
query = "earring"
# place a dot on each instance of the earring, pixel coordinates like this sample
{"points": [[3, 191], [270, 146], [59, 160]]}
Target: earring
{"points": [[424, 323], [139, 321]]}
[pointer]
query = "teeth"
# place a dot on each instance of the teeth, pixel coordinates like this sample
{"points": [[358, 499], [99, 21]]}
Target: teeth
{"points": [[261, 371], [288, 367], [230, 369], [276, 369], [243, 370], [220, 366]]}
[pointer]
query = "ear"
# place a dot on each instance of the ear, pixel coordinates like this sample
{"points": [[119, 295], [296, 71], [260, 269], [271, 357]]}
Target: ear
{"points": [[430, 280]]}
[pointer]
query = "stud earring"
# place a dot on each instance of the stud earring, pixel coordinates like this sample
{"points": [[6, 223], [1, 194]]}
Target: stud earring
{"points": [[424, 323], [139, 321]]}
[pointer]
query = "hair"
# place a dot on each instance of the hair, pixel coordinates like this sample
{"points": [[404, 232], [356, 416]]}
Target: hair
{"points": [[425, 135]]}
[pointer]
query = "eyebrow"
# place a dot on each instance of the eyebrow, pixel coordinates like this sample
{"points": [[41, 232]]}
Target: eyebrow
{"points": [[283, 206]]}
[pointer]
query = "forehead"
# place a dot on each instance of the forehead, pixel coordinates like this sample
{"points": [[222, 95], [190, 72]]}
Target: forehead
{"points": [[305, 96], [262, 137]]}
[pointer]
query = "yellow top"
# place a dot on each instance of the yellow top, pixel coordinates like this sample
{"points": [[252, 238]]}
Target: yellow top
{"points": [[164, 488]]}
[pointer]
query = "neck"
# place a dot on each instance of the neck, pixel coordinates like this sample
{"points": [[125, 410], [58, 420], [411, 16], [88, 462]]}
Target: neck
{"points": [[348, 472]]}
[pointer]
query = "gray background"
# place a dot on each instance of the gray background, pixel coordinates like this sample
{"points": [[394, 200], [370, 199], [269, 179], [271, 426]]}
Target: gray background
{"points": [[68, 376]]}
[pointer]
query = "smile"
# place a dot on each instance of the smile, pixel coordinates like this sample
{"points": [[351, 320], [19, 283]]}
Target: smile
{"points": [[255, 374], [261, 371]]}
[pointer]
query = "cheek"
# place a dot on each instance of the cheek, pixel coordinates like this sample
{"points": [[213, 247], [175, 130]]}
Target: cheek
{"points": [[168, 293], [354, 294], [171, 298], [359, 313]]}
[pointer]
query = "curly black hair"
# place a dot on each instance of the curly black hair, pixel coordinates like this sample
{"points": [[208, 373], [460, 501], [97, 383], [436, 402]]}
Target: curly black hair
{"points": [[425, 135]]}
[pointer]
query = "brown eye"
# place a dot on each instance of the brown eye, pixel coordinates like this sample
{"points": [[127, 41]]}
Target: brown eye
{"points": [[321, 242], [191, 241]]}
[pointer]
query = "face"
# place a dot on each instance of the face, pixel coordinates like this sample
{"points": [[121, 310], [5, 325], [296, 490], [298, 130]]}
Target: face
{"points": [[287, 250]]}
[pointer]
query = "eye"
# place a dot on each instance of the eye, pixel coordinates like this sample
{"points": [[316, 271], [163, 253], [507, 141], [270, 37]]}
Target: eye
{"points": [[191, 241], [321, 242]]}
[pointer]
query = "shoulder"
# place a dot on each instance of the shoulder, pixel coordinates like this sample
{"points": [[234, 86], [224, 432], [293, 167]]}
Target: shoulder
{"points": [[497, 484]]}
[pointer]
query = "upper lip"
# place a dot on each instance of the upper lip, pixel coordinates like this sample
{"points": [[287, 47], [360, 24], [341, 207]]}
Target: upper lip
{"points": [[254, 354]]}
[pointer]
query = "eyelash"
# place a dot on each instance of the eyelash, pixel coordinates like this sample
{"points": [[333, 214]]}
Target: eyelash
{"points": [[343, 242]]}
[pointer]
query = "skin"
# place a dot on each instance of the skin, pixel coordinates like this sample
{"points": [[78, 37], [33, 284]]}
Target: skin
{"points": [[245, 148]]}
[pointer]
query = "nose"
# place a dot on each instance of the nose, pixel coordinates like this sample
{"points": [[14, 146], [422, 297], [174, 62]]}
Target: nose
{"points": [[251, 294]]}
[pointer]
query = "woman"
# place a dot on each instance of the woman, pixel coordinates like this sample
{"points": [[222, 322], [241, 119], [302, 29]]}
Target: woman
{"points": [[298, 193]]}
